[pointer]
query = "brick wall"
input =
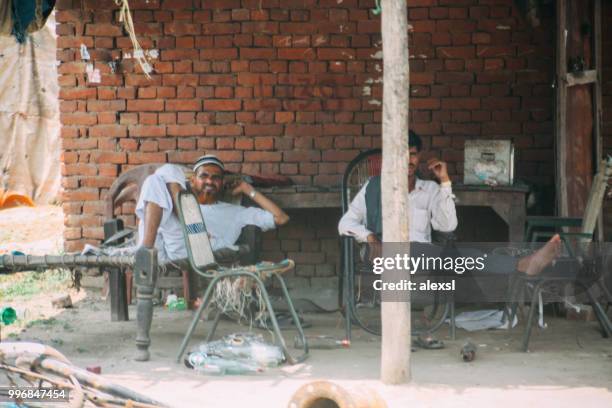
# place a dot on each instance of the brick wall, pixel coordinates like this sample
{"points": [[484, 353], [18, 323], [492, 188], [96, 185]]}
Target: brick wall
{"points": [[607, 100], [290, 87]]}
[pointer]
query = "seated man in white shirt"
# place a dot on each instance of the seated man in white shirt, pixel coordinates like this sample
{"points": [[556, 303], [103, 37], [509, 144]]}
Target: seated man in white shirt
{"points": [[431, 205], [160, 227]]}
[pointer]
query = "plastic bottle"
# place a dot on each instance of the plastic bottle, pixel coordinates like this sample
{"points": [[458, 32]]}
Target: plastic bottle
{"points": [[213, 365], [321, 342]]}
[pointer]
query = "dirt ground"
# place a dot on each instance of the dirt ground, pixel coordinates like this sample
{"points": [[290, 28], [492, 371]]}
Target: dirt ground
{"points": [[569, 364]]}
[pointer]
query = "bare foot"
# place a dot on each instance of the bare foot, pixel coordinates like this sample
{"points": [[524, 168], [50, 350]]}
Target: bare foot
{"points": [[536, 262]]}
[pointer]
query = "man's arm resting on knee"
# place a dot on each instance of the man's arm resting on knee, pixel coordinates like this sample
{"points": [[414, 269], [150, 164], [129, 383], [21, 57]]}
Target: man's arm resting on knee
{"points": [[154, 214]]}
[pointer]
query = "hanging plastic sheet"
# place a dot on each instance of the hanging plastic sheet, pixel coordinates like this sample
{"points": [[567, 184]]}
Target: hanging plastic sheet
{"points": [[29, 114]]}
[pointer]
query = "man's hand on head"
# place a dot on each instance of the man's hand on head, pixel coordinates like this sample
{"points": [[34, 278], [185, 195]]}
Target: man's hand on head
{"points": [[439, 169], [241, 187]]}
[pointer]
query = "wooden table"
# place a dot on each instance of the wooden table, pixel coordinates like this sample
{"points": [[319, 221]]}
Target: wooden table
{"points": [[509, 202]]}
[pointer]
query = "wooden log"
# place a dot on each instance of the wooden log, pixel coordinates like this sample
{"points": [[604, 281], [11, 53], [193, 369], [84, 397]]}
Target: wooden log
{"points": [[395, 359]]}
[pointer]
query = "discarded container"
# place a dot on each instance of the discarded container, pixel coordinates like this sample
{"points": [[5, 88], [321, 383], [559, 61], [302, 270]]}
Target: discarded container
{"points": [[321, 342], [10, 199], [8, 315], [247, 347], [94, 369], [176, 303], [238, 353], [468, 352], [214, 365], [327, 394]]}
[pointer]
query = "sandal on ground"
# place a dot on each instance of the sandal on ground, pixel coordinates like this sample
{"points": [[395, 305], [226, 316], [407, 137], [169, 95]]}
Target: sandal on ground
{"points": [[428, 343]]}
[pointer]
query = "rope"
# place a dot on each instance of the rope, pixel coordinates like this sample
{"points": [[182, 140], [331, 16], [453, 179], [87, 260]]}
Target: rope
{"points": [[125, 16]]}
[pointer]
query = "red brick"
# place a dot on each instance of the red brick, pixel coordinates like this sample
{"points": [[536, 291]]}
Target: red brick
{"points": [[283, 117], [257, 53], [263, 130], [83, 194], [454, 77], [461, 103], [296, 54], [222, 105], [105, 106], [262, 156], [78, 118], [341, 130], [424, 103], [339, 155], [219, 54], [140, 158], [224, 130], [183, 157], [77, 93], [185, 130], [145, 105], [243, 143], [108, 131], [103, 30], [456, 52], [183, 105], [147, 131]]}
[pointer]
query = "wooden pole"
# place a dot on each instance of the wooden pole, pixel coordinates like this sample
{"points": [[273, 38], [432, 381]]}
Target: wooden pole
{"points": [[395, 360], [561, 109]]}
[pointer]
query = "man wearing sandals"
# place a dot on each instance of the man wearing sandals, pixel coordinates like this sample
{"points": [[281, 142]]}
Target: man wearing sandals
{"points": [[431, 206], [160, 227]]}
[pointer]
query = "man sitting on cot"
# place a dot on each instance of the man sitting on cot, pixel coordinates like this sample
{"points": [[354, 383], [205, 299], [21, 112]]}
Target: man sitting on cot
{"points": [[160, 227]]}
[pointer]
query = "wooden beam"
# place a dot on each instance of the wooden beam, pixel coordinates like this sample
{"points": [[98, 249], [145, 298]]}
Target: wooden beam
{"points": [[395, 358], [561, 108], [581, 78], [597, 105]]}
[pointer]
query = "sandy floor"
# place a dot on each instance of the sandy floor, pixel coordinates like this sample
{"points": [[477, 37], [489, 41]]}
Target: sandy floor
{"points": [[569, 364]]}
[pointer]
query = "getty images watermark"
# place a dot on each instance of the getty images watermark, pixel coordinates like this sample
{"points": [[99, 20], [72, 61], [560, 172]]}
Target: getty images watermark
{"points": [[411, 264], [473, 272]]}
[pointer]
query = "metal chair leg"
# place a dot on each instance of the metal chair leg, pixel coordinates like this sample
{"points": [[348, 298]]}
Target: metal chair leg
{"points": [[266, 299], [196, 317], [602, 318], [296, 320], [532, 312], [275, 327], [212, 330], [453, 326], [348, 292]]}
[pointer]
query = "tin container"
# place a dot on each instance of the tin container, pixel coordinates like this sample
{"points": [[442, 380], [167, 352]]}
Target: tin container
{"points": [[489, 162]]}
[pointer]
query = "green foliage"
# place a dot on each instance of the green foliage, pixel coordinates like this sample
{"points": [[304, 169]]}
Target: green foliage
{"points": [[28, 284]]}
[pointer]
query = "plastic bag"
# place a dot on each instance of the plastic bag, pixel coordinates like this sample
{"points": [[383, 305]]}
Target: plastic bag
{"points": [[237, 353]]}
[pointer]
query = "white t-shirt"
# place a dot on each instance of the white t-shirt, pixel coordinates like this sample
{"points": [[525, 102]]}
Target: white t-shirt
{"points": [[224, 221]]}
